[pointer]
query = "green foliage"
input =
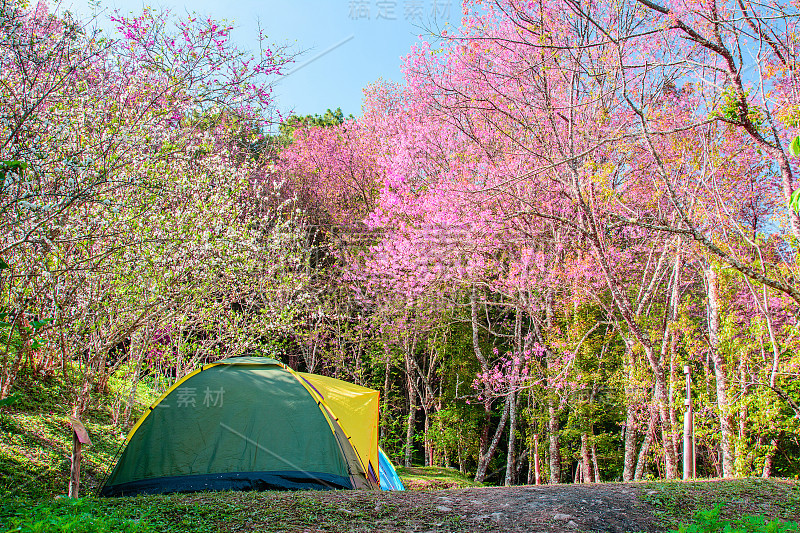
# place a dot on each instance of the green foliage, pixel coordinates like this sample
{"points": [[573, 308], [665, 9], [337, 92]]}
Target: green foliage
{"points": [[674, 501], [456, 430], [729, 108], [11, 166], [794, 146], [67, 514], [326, 120], [14, 398], [794, 200], [711, 521], [20, 336]]}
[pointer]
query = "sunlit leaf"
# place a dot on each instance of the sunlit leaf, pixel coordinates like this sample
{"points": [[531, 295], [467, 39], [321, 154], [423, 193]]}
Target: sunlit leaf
{"points": [[794, 147], [794, 200]]}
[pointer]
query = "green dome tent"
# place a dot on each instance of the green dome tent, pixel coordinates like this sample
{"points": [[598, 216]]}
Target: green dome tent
{"points": [[251, 423]]}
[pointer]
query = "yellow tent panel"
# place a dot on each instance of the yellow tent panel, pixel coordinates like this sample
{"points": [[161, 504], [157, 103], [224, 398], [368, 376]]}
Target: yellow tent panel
{"points": [[357, 410]]}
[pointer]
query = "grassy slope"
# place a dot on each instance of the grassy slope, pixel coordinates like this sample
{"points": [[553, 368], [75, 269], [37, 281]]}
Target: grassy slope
{"points": [[36, 438], [434, 478]]}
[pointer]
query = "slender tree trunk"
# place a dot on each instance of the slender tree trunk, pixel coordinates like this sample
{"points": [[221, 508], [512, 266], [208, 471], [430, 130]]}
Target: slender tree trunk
{"points": [[769, 460], [641, 462], [595, 464], [385, 399], [537, 471], [553, 436], [512, 398], [668, 348], [487, 448], [412, 418], [629, 465], [426, 440], [661, 400], [512, 429], [739, 459], [586, 462], [720, 374], [460, 452], [483, 460]]}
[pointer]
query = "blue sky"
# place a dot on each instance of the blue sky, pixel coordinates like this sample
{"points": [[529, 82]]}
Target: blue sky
{"points": [[348, 43]]}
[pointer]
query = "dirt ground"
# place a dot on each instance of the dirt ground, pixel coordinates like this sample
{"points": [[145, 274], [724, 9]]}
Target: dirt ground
{"points": [[548, 508], [602, 507], [607, 507]]}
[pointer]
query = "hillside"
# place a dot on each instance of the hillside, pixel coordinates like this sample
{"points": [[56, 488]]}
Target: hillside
{"points": [[36, 438]]}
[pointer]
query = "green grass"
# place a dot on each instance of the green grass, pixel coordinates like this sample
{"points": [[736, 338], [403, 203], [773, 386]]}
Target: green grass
{"points": [[674, 501], [36, 437], [434, 477], [712, 521], [228, 512]]}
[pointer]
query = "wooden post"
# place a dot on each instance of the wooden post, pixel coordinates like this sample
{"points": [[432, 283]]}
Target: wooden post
{"points": [[79, 437], [688, 430]]}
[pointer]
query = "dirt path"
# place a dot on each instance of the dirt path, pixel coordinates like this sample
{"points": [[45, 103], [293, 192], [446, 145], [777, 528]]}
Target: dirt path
{"points": [[612, 508]]}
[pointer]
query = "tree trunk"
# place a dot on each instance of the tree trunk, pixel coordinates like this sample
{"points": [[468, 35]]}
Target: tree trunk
{"points": [[769, 460], [512, 428], [595, 464], [629, 465], [484, 458], [720, 374], [412, 418], [586, 462], [739, 460], [426, 440], [74, 488], [412, 411], [661, 401], [553, 435], [537, 471], [668, 348], [385, 402], [643, 451], [512, 399]]}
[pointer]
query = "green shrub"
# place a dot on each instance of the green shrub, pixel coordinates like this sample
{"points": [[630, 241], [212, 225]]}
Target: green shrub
{"points": [[65, 514], [710, 521]]}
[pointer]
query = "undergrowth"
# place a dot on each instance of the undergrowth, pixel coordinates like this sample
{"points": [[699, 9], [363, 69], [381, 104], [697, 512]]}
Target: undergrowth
{"points": [[712, 521], [36, 436]]}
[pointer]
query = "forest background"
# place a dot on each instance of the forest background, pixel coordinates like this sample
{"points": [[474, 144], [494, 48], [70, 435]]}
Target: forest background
{"points": [[521, 246]]}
